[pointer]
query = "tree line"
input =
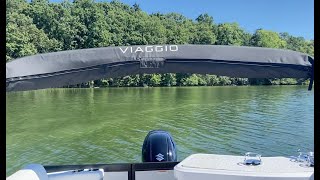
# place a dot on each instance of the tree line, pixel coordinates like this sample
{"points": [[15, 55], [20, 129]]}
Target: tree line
{"points": [[39, 26]]}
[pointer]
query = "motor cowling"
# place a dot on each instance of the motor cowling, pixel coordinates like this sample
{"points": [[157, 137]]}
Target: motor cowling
{"points": [[158, 146]]}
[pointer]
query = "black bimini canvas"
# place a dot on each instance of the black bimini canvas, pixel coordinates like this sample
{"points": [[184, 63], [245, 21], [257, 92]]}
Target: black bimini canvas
{"points": [[63, 68]]}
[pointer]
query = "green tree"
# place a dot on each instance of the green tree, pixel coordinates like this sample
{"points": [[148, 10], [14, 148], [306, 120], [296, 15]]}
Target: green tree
{"points": [[155, 79], [204, 30], [176, 26], [231, 34], [24, 38], [265, 38], [168, 79], [298, 44], [224, 81], [192, 80]]}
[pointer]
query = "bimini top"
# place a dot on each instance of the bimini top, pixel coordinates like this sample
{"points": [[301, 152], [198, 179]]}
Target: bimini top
{"points": [[77, 66]]}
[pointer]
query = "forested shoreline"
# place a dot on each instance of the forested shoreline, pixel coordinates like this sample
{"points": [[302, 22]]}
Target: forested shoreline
{"points": [[40, 26]]}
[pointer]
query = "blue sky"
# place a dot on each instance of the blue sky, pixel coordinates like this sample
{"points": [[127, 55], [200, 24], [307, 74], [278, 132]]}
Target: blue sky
{"points": [[293, 16]]}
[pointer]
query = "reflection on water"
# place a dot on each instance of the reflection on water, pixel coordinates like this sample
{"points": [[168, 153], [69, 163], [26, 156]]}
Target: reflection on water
{"points": [[83, 126]]}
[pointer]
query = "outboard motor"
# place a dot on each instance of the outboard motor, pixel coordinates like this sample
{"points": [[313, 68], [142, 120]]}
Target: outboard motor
{"points": [[158, 146]]}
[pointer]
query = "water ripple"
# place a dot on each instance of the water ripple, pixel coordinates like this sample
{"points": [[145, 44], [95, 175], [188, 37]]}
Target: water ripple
{"points": [[82, 126]]}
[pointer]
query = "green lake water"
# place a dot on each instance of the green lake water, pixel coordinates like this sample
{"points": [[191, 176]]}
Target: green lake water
{"points": [[86, 126]]}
